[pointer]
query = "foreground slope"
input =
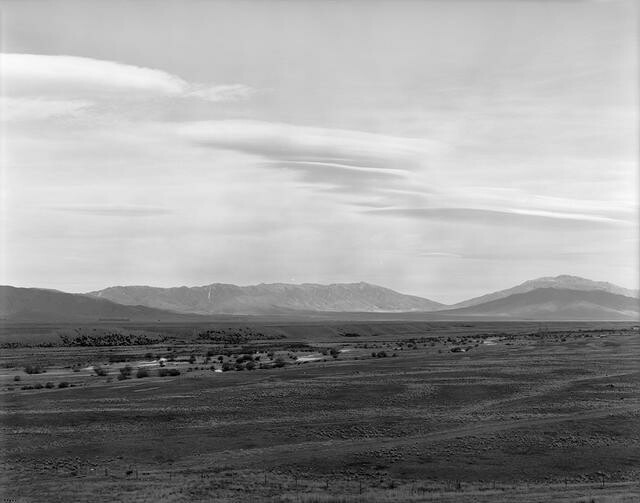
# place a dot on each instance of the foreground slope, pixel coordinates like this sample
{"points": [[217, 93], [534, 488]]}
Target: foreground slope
{"points": [[34, 304], [267, 298], [556, 304], [562, 282]]}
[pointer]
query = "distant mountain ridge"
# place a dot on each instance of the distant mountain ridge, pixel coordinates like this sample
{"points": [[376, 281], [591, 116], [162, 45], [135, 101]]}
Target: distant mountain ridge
{"points": [[561, 298], [40, 305], [219, 298], [555, 304], [564, 282]]}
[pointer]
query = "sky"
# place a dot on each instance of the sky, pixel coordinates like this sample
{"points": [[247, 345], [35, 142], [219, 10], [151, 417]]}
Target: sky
{"points": [[440, 148]]}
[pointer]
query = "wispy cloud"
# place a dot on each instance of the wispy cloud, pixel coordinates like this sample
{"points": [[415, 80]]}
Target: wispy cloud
{"points": [[346, 161], [439, 255], [16, 109], [114, 210], [278, 141], [392, 175], [518, 217], [57, 78]]}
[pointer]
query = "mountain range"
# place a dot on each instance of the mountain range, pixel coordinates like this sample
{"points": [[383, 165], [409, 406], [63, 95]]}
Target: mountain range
{"points": [[269, 298], [549, 298]]}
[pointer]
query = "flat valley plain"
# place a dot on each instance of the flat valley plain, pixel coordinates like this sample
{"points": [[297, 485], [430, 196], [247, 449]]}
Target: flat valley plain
{"points": [[321, 412]]}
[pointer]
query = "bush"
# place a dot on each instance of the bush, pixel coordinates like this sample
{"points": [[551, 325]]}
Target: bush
{"points": [[250, 366], [33, 369], [244, 358], [192, 359], [142, 373], [163, 372], [382, 354], [17, 378], [100, 371], [149, 356], [280, 362], [226, 366], [239, 366], [220, 358], [63, 384], [125, 372], [49, 385], [38, 386]]}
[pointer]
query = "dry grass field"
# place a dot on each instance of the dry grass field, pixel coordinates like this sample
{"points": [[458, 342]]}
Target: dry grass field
{"points": [[321, 412]]}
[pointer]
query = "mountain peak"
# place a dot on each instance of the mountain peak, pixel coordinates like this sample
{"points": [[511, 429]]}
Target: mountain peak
{"points": [[562, 281]]}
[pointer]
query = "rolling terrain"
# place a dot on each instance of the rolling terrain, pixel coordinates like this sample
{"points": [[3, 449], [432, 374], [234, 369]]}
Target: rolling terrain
{"points": [[386, 412]]}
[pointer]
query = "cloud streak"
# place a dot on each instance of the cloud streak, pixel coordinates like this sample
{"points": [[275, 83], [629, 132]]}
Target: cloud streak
{"points": [[60, 77], [129, 211], [517, 217]]}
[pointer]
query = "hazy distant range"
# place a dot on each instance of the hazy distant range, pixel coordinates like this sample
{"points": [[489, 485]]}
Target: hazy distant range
{"points": [[550, 298]]}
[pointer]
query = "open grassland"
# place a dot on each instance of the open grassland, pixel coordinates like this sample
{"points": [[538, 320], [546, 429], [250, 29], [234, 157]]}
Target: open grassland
{"points": [[321, 412]]}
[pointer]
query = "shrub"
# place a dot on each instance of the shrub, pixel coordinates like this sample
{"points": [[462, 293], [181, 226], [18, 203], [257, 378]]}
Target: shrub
{"points": [[17, 378], [63, 384], [210, 353], [100, 371], [33, 369], [49, 385], [250, 366], [382, 354], [125, 372], [141, 372], [239, 366], [192, 359], [163, 372], [38, 386], [280, 362], [244, 358], [220, 358], [149, 356], [373, 354]]}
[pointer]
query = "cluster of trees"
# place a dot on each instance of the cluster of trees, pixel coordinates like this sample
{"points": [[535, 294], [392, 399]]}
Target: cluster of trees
{"points": [[34, 369], [48, 385], [236, 336], [126, 372], [111, 339]]}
